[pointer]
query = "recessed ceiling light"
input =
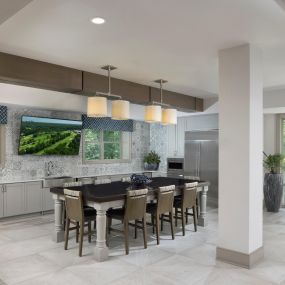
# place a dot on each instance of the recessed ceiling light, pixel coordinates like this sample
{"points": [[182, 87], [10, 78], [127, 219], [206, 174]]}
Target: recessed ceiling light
{"points": [[98, 21]]}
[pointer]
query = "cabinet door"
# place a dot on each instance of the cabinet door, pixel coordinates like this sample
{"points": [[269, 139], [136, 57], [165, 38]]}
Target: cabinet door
{"points": [[1, 201], [33, 197], [181, 123], [14, 199], [48, 202]]}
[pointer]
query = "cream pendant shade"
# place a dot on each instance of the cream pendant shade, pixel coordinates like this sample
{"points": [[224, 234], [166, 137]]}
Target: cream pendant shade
{"points": [[120, 110], [97, 107], [169, 117], [152, 114]]}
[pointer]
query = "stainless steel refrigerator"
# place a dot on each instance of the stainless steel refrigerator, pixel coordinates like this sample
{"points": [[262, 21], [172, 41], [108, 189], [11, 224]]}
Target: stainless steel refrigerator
{"points": [[202, 159]]}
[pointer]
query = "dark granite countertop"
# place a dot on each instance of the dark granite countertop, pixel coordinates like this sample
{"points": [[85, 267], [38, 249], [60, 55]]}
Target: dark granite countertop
{"points": [[117, 190]]}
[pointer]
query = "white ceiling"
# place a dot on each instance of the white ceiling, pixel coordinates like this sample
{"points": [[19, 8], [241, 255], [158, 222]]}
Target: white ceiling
{"points": [[146, 40]]}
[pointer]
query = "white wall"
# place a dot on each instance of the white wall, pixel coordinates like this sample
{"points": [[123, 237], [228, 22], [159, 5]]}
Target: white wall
{"points": [[270, 134]]}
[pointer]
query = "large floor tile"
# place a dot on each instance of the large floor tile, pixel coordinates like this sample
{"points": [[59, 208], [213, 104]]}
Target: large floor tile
{"points": [[102, 272], [60, 277], [25, 268]]}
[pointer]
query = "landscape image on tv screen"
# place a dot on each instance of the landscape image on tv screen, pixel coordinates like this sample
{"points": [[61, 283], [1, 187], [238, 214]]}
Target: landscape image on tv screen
{"points": [[46, 136]]}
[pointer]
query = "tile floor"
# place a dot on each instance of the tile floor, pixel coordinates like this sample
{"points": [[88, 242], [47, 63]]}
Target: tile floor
{"points": [[29, 257]]}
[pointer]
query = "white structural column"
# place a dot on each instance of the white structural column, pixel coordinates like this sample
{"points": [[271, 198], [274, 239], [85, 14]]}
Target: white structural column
{"points": [[240, 156]]}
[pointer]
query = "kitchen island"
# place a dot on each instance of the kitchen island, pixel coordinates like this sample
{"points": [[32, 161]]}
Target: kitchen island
{"points": [[105, 196]]}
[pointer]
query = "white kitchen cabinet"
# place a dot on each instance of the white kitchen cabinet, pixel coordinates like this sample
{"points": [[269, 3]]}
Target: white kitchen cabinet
{"points": [[14, 199], [176, 138], [1, 201], [48, 202], [33, 197]]}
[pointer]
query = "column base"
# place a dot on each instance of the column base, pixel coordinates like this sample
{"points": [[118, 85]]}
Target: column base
{"points": [[101, 253], [239, 258], [202, 222], [58, 236]]}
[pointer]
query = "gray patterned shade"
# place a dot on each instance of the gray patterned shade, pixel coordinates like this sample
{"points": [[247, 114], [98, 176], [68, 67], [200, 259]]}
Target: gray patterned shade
{"points": [[3, 115], [107, 124]]}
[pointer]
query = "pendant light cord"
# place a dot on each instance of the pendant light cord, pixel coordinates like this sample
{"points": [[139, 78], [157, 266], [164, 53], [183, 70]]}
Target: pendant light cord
{"points": [[109, 79]]}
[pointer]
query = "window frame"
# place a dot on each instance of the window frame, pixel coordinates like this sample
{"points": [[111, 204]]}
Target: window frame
{"points": [[101, 146]]}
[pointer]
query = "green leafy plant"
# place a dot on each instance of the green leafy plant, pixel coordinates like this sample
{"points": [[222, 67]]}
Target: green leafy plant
{"points": [[152, 157], [274, 163]]}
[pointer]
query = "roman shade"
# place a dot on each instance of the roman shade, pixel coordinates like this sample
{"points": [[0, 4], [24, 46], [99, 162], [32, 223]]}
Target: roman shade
{"points": [[107, 124], [3, 115]]}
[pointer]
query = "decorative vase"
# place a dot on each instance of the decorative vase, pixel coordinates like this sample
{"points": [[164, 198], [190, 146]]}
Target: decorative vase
{"points": [[151, 166], [273, 190]]}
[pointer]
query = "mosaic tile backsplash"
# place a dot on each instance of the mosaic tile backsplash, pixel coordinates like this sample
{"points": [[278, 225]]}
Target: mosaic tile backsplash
{"points": [[19, 168]]}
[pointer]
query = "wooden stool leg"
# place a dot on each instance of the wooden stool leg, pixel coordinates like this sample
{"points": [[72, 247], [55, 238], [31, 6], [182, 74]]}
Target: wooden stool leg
{"points": [[186, 213], [77, 231], [67, 225], [81, 237], [144, 232], [183, 220], [176, 216], [89, 231], [161, 222], [171, 224], [126, 233], [152, 222], [157, 228], [195, 218]]}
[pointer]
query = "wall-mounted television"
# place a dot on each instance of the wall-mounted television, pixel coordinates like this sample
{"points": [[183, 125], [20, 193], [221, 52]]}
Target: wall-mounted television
{"points": [[48, 136]]}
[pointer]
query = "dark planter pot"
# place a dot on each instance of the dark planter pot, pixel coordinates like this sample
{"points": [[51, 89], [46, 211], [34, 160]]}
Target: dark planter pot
{"points": [[273, 190], [151, 166]]}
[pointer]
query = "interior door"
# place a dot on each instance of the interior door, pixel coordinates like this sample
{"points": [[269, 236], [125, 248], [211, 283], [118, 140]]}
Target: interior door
{"points": [[192, 158]]}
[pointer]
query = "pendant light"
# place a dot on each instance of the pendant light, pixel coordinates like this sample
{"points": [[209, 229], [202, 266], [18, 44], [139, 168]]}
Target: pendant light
{"points": [[169, 116], [120, 110], [152, 114], [155, 113], [97, 105]]}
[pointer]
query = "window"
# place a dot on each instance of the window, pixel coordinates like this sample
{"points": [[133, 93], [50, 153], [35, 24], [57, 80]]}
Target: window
{"points": [[106, 146]]}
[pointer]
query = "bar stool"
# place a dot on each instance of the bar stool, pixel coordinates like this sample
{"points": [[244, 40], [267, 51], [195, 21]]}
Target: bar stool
{"points": [[77, 215], [158, 210], [187, 201], [135, 209], [197, 178]]}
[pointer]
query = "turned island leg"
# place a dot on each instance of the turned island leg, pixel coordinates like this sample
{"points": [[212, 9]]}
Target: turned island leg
{"points": [[202, 219], [101, 251], [58, 233]]}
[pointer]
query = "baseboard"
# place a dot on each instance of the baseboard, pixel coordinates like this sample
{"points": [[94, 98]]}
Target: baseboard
{"points": [[239, 258]]}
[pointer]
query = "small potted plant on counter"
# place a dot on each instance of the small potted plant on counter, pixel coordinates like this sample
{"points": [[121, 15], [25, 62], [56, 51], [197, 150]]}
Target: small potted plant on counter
{"points": [[273, 181], [151, 161]]}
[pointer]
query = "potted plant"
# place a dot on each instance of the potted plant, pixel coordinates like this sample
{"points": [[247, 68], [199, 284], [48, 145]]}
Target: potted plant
{"points": [[273, 181], [151, 161]]}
